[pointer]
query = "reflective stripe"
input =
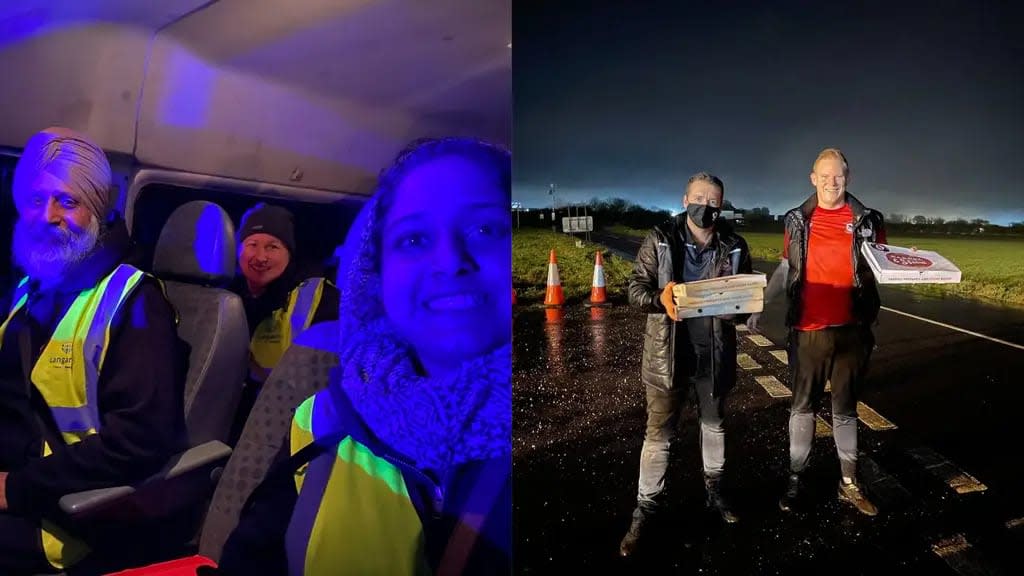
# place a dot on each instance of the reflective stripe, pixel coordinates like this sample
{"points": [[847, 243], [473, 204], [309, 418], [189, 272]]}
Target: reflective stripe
{"points": [[305, 304], [304, 414], [18, 300], [82, 419], [298, 537], [97, 340]]}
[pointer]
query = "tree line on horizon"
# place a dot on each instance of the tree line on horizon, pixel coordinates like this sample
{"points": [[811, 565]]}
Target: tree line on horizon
{"points": [[619, 211]]}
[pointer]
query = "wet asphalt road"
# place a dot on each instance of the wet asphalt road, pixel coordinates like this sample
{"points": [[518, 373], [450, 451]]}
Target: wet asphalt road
{"points": [[953, 397]]}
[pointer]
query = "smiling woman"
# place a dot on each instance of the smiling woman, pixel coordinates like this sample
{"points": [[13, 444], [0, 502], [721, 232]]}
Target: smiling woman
{"points": [[415, 425], [445, 250]]}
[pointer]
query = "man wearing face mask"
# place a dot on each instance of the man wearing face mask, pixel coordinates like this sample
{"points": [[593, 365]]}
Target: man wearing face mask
{"points": [[696, 356]]}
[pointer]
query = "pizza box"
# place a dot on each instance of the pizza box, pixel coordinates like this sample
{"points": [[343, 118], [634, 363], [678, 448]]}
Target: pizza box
{"points": [[749, 306], [718, 286], [728, 296], [899, 265]]}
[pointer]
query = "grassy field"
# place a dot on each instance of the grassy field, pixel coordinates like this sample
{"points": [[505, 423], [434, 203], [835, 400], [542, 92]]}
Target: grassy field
{"points": [[993, 269], [530, 251]]}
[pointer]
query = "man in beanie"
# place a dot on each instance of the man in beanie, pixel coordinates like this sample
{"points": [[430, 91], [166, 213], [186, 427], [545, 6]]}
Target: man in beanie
{"points": [[278, 306], [91, 366]]}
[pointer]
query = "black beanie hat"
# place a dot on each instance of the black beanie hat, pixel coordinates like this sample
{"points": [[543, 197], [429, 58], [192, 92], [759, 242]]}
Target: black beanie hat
{"points": [[274, 220]]}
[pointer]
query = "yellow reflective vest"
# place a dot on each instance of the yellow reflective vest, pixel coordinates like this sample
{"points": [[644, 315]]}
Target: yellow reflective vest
{"points": [[275, 333], [67, 373]]}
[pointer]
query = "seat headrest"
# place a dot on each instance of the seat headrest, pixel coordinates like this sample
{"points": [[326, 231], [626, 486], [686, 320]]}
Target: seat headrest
{"points": [[197, 244]]}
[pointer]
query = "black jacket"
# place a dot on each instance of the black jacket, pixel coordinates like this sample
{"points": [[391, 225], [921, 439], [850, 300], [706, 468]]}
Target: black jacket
{"points": [[672, 353], [140, 393], [868, 225]]}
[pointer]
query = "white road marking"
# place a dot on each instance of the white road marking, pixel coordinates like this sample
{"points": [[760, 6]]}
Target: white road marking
{"points": [[958, 329], [746, 362], [873, 419], [963, 558], [822, 429], [1016, 528], [781, 356], [773, 387], [946, 471], [760, 340]]}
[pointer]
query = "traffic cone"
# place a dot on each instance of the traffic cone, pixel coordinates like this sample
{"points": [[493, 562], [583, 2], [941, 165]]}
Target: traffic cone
{"points": [[553, 296], [598, 292]]}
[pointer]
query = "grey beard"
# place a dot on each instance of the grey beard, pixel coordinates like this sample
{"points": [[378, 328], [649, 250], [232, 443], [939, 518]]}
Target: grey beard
{"points": [[49, 261]]}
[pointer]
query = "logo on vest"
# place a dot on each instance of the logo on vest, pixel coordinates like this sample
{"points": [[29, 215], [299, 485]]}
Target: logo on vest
{"points": [[66, 359], [849, 227]]}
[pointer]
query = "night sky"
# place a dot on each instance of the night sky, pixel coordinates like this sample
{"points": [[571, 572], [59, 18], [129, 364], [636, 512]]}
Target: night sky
{"points": [[628, 99]]}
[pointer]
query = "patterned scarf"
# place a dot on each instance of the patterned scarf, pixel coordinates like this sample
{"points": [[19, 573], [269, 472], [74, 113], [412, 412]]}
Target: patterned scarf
{"points": [[438, 422]]}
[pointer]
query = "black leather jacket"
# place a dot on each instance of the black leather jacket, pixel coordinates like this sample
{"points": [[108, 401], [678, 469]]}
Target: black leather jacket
{"points": [[672, 355]]}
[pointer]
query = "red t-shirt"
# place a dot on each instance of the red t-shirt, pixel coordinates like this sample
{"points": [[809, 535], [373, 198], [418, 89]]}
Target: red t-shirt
{"points": [[828, 278]]}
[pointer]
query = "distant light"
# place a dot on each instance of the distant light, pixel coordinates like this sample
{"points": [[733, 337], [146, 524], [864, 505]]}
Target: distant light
{"points": [[509, 44]]}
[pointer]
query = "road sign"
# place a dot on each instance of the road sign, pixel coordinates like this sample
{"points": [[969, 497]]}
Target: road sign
{"points": [[578, 224]]}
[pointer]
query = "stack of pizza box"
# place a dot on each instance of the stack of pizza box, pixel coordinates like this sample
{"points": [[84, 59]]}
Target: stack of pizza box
{"points": [[898, 265], [736, 294]]}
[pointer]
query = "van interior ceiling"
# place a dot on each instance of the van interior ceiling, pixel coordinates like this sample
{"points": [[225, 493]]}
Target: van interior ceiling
{"points": [[296, 102]]}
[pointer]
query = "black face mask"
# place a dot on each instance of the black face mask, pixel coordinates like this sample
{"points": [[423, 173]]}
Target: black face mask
{"points": [[702, 215]]}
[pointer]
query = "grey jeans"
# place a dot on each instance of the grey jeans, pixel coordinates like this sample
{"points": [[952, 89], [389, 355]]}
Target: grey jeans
{"points": [[663, 411]]}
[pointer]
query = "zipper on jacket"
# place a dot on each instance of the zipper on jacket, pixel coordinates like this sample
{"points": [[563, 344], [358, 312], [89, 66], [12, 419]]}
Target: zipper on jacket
{"points": [[715, 268], [853, 250]]}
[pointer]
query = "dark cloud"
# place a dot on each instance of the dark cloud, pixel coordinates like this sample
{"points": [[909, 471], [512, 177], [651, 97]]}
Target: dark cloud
{"points": [[629, 99]]}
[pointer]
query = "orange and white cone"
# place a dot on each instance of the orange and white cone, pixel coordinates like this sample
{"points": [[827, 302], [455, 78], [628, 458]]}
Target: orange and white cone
{"points": [[598, 292], [554, 296]]}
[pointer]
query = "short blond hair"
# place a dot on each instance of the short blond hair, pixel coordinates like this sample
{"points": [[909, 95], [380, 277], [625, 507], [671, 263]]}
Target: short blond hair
{"points": [[833, 153]]}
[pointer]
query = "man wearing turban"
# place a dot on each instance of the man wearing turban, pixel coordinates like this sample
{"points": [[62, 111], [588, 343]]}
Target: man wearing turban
{"points": [[91, 366]]}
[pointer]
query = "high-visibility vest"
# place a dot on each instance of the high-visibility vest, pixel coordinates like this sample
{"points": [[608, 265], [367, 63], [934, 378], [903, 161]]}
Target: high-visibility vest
{"points": [[67, 373], [275, 333], [353, 514]]}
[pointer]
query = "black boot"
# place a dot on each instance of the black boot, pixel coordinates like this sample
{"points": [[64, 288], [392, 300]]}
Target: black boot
{"points": [[789, 498], [638, 529], [717, 501]]}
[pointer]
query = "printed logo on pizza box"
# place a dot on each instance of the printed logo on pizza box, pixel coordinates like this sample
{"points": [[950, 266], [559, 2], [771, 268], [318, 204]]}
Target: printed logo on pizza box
{"points": [[908, 260], [879, 247]]}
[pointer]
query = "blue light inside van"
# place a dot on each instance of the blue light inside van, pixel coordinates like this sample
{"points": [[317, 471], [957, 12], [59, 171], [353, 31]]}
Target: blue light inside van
{"points": [[208, 246]]}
